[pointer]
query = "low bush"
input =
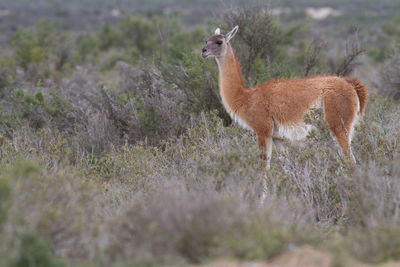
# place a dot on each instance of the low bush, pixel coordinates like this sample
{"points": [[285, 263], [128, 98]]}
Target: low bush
{"points": [[262, 55], [34, 252], [43, 52], [5, 193], [389, 83]]}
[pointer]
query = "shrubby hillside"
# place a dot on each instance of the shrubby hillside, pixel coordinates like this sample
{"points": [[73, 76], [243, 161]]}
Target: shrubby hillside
{"points": [[116, 151]]}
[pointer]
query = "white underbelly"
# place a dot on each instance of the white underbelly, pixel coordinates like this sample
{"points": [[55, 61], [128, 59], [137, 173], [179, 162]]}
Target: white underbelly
{"points": [[297, 131], [294, 132]]}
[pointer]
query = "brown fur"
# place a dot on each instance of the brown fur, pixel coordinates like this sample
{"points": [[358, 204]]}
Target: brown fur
{"points": [[278, 105], [361, 92]]}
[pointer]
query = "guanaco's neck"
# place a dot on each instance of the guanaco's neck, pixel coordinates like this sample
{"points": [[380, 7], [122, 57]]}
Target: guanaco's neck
{"points": [[231, 82]]}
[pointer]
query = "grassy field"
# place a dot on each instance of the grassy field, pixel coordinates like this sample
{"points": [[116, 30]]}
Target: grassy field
{"points": [[115, 149]]}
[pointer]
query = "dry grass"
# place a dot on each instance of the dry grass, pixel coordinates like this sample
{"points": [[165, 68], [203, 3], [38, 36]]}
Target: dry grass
{"points": [[196, 198]]}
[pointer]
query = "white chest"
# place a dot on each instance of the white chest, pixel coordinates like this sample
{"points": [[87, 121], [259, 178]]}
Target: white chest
{"points": [[234, 116]]}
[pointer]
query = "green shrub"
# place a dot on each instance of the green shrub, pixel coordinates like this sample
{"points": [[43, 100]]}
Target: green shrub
{"points": [[132, 31], [29, 48], [260, 240], [378, 54], [130, 55], [390, 29], [109, 36], [147, 120], [5, 194], [47, 206], [181, 43], [198, 81], [7, 72], [259, 53], [38, 109], [88, 48], [34, 252], [43, 51]]}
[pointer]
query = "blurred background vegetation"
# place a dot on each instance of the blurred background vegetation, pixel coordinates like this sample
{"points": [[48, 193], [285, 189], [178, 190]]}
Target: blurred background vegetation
{"points": [[115, 149]]}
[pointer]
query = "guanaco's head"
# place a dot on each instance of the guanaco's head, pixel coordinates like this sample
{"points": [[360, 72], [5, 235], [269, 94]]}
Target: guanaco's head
{"points": [[216, 45]]}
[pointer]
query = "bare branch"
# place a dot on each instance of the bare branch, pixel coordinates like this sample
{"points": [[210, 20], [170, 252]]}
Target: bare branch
{"points": [[313, 52], [349, 61]]}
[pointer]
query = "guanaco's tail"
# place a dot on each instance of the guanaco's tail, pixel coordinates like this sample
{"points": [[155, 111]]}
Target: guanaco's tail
{"points": [[361, 92]]}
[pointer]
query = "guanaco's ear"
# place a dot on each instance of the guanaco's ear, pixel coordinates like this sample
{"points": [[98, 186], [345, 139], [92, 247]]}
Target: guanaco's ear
{"points": [[217, 31], [232, 33]]}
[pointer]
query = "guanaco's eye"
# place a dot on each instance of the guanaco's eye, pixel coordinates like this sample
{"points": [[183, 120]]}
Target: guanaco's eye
{"points": [[219, 42]]}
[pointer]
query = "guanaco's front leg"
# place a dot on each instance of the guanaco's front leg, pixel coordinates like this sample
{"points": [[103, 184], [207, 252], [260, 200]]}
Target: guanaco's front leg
{"points": [[265, 145]]}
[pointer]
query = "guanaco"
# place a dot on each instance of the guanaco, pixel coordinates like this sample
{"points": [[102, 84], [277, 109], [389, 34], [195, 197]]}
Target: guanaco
{"points": [[275, 110]]}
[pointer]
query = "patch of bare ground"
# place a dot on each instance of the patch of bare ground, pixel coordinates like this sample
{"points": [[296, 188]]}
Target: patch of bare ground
{"points": [[305, 256]]}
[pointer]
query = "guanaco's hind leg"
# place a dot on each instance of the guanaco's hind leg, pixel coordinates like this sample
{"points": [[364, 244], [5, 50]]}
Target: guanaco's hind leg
{"points": [[340, 113], [344, 141]]}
